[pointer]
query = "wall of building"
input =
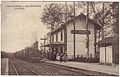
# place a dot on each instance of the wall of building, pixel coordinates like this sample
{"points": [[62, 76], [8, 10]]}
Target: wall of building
{"points": [[80, 39], [59, 36]]}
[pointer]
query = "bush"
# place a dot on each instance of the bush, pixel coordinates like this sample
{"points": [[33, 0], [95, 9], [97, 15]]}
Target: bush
{"points": [[86, 60]]}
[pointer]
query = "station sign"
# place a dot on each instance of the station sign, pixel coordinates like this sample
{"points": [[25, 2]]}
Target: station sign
{"points": [[80, 32]]}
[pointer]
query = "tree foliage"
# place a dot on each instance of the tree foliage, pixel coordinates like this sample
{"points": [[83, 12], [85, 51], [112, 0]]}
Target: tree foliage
{"points": [[4, 54], [115, 16], [105, 14], [109, 18], [55, 14]]}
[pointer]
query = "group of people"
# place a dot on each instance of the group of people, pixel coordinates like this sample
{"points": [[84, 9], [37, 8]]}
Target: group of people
{"points": [[56, 56], [62, 57]]}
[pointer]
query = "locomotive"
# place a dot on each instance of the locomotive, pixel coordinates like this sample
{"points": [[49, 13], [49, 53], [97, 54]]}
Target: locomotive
{"points": [[31, 54]]}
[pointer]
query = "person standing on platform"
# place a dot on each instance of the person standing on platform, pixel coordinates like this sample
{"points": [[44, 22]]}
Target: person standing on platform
{"points": [[61, 57], [65, 57]]}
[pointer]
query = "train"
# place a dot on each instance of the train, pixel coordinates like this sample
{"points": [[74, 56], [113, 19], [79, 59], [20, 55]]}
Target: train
{"points": [[30, 54]]}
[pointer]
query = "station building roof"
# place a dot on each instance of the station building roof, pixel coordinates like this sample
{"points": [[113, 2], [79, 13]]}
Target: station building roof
{"points": [[97, 26]]}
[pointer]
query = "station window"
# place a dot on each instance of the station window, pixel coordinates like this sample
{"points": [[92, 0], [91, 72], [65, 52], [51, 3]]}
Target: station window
{"points": [[52, 38], [61, 35], [56, 37]]}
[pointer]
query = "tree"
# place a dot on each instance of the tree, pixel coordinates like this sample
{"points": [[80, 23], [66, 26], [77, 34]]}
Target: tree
{"points": [[115, 16], [55, 14], [4, 54], [103, 13], [107, 17]]}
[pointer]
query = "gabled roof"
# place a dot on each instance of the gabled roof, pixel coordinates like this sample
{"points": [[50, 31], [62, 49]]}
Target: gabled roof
{"points": [[90, 20], [97, 26]]}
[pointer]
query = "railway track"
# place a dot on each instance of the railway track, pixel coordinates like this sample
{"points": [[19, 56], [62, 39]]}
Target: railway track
{"points": [[12, 68], [21, 69], [44, 68]]}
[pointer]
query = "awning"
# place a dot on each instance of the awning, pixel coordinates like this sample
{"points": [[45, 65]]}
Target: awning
{"points": [[46, 45], [57, 43]]}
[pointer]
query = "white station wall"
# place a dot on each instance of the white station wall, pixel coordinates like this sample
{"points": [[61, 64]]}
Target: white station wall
{"points": [[79, 38], [109, 54], [102, 54]]}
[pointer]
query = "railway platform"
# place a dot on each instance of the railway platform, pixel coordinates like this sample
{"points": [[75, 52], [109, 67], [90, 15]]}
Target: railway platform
{"points": [[4, 64], [90, 66]]}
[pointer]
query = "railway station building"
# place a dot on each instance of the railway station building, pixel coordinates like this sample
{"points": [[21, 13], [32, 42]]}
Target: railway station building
{"points": [[61, 39]]}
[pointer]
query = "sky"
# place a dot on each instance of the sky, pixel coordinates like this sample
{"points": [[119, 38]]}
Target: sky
{"points": [[21, 27]]}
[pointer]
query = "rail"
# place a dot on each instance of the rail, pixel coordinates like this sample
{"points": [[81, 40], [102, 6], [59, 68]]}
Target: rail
{"points": [[14, 67], [22, 65]]}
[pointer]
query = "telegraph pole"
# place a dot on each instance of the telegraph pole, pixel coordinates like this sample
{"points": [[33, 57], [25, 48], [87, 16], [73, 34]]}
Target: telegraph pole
{"points": [[74, 30], [87, 34], [65, 28], [103, 27]]}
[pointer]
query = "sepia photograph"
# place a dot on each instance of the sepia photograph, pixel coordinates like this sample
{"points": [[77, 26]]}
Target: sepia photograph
{"points": [[60, 38]]}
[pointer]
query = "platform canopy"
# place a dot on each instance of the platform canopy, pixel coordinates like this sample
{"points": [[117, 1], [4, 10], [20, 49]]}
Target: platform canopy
{"points": [[52, 44]]}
